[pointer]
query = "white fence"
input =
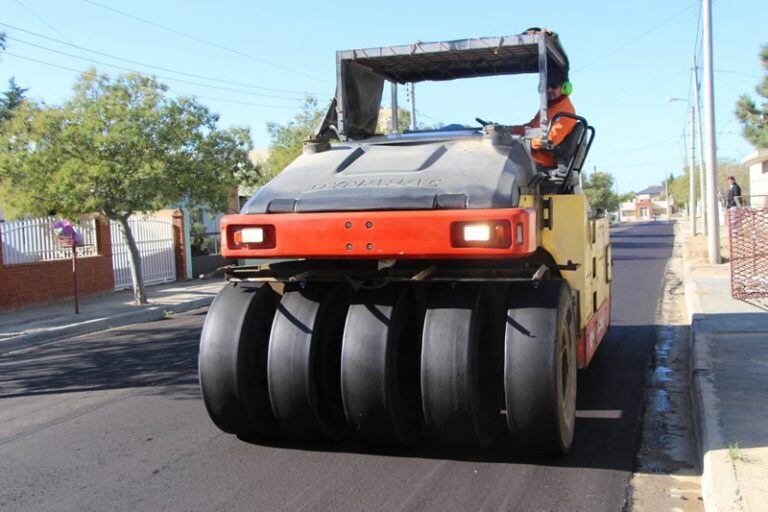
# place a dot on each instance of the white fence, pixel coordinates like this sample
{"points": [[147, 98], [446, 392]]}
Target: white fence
{"points": [[154, 238], [32, 240]]}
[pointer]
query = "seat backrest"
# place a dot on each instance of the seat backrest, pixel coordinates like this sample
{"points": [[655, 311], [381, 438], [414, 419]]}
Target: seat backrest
{"points": [[570, 146]]}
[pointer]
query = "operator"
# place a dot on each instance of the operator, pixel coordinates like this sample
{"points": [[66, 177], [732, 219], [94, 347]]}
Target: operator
{"points": [[558, 89]]}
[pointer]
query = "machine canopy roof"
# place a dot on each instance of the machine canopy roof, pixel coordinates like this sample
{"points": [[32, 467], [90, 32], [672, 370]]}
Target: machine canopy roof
{"points": [[361, 73], [463, 58]]}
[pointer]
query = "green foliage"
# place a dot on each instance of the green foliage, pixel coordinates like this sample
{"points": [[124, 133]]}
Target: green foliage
{"points": [[678, 185], [384, 124], [678, 188], [629, 196], [2, 40], [286, 140], [753, 118], [11, 100], [120, 146], [598, 188]]}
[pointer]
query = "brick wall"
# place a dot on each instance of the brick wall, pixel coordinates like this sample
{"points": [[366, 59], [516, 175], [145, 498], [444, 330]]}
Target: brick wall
{"points": [[30, 283]]}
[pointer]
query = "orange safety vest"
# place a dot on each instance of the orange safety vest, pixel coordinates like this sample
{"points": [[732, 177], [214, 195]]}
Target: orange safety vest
{"points": [[557, 133]]}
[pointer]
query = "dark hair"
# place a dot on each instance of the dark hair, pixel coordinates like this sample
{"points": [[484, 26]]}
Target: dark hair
{"points": [[731, 178], [556, 76]]}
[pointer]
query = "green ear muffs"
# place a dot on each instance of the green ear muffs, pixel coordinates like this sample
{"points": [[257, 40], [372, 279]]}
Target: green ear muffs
{"points": [[565, 89]]}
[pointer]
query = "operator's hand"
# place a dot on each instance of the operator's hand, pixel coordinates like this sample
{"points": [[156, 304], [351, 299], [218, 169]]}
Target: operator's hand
{"points": [[536, 143]]}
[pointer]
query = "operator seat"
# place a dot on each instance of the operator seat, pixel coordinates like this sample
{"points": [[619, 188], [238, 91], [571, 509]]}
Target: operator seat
{"points": [[570, 154], [566, 154]]}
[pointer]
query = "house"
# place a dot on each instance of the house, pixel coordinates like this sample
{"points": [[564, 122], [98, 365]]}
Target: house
{"points": [[758, 177], [649, 204]]}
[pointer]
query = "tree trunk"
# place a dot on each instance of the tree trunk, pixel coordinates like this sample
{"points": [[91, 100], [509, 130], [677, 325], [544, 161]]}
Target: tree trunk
{"points": [[137, 276]]}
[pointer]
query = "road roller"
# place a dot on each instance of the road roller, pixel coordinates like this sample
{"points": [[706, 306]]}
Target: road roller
{"points": [[423, 286]]}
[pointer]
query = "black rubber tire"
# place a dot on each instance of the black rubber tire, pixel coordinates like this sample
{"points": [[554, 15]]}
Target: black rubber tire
{"points": [[540, 366], [232, 362], [461, 364], [304, 363], [380, 366]]}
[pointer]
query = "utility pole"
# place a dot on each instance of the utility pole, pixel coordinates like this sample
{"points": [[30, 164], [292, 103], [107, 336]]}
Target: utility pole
{"points": [[702, 174], [713, 227], [413, 108], [393, 116], [692, 179]]}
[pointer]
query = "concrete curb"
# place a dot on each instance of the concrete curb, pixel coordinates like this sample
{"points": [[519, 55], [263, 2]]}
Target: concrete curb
{"points": [[148, 314], [719, 484]]}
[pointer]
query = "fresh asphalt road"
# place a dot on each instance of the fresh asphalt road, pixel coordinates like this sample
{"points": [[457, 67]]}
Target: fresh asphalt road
{"points": [[114, 421]]}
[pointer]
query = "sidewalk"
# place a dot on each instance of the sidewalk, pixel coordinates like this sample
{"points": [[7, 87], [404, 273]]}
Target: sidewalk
{"points": [[729, 385], [36, 325]]}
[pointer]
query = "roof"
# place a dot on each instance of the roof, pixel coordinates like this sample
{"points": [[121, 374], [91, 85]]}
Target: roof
{"points": [[757, 156], [462, 58], [652, 190]]}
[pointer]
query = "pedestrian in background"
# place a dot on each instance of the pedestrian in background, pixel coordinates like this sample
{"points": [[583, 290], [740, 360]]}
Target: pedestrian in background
{"points": [[734, 194]]}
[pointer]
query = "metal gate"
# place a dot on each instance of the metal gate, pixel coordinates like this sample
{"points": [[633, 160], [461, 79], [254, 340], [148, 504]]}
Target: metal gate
{"points": [[154, 238], [748, 229]]}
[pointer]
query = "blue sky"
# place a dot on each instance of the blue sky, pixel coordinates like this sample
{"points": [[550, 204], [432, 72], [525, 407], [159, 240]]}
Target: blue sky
{"points": [[626, 58]]}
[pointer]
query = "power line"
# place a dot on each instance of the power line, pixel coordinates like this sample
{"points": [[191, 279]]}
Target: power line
{"points": [[162, 68], [631, 41], [644, 164], [736, 73], [67, 68], [204, 41], [228, 89], [653, 81], [41, 20], [696, 42], [669, 141]]}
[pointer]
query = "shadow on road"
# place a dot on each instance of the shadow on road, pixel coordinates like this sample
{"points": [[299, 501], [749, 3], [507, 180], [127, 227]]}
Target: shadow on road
{"points": [[140, 356]]}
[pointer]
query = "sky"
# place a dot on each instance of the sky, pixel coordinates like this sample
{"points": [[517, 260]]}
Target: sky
{"points": [[253, 61]]}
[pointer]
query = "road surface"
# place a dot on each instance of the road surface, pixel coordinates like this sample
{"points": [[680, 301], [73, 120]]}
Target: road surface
{"points": [[114, 421]]}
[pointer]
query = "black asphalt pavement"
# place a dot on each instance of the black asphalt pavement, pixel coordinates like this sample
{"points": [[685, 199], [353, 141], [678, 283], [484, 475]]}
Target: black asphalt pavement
{"points": [[114, 421]]}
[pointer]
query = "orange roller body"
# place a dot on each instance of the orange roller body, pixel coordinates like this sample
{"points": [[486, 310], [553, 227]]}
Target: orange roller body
{"points": [[377, 235]]}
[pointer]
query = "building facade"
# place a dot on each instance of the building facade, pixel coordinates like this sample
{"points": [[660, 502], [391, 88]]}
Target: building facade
{"points": [[649, 204]]}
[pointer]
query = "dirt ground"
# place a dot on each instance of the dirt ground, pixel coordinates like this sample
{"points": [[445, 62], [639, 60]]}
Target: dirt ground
{"points": [[696, 251]]}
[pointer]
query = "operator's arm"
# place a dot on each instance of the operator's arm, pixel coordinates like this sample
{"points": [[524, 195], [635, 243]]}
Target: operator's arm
{"points": [[520, 130]]}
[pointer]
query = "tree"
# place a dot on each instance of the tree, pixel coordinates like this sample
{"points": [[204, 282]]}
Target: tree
{"points": [[117, 147], [678, 185], [287, 140], [678, 188], [11, 100], [384, 125], [598, 188], [753, 118]]}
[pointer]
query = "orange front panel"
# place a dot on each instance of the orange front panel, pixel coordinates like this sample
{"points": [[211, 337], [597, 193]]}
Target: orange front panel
{"points": [[593, 333], [388, 234]]}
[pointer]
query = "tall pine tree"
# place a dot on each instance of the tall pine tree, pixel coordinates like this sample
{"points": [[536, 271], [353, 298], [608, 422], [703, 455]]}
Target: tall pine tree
{"points": [[11, 100], [754, 118]]}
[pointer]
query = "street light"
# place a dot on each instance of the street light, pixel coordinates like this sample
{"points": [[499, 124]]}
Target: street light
{"points": [[691, 177]]}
